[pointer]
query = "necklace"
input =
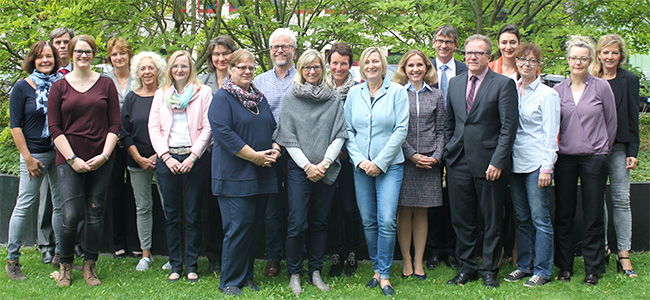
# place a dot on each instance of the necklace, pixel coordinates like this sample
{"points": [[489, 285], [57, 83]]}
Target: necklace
{"points": [[372, 93], [82, 82], [257, 112]]}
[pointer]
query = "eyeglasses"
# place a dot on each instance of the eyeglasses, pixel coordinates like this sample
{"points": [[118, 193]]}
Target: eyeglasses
{"points": [[531, 62], [582, 59], [309, 68], [244, 68], [80, 52], [285, 48], [182, 67], [441, 42], [222, 54], [475, 53]]}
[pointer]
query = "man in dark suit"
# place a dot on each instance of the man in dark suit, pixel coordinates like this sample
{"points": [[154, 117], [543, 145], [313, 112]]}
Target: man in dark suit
{"points": [[480, 125], [441, 243]]}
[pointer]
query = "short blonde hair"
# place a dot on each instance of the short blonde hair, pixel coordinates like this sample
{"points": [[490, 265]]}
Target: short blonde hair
{"points": [[238, 56], [158, 61], [606, 41], [364, 56], [192, 78], [583, 42], [430, 77], [306, 58]]}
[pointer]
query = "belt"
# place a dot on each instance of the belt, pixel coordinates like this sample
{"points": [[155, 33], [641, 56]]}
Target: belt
{"points": [[180, 150]]}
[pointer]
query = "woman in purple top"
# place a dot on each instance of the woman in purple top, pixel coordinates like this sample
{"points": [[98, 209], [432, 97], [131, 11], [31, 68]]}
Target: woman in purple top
{"points": [[587, 132], [612, 54], [28, 106], [84, 121]]}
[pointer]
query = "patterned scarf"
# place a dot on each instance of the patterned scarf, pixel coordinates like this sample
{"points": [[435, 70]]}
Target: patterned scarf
{"points": [[347, 84], [178, 103], [43, 83], [248, 99]]}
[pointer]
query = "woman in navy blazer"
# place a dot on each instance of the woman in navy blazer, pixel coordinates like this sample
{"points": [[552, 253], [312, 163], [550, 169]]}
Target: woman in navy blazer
{"points": [[377, 116]]}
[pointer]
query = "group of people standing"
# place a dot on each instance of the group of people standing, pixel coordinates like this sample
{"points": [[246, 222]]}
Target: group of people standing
{"points": [[299, 145]]}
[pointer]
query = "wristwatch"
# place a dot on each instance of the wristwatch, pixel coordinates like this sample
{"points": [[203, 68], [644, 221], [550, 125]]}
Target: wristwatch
{"points": [[326, 165], [70, 160]]}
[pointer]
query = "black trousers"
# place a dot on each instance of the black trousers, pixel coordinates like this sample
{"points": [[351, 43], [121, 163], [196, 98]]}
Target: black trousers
{"points": [[441, 237], [592, 171], [344, 228], [469, 196]]}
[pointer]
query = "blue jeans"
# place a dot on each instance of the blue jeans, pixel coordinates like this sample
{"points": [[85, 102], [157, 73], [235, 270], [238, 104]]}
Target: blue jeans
{"points": [[309, 210], [28, 194], [377, 199], [83, 196], [619, 186], [534, 228], [183, 193]]}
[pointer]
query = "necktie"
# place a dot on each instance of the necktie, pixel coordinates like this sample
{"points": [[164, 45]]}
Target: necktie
{"points": [[444, 83], [64, 71], [472, 91]]}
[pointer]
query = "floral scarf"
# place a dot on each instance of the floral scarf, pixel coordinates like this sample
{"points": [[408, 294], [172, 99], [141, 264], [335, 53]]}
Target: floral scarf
{"points": [[347, 84], [43, 83], [176, 102], [248, 99]]}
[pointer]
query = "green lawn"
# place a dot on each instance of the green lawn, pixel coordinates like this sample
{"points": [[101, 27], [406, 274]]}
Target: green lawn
{"points": [[121, 281]]}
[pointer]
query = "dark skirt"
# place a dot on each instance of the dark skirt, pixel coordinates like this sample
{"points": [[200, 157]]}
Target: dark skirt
{"points": [[421, 187]]}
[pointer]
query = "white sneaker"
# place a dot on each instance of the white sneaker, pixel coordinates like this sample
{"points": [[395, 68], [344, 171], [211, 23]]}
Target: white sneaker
{"points": [[167, 266], [143, 264]]}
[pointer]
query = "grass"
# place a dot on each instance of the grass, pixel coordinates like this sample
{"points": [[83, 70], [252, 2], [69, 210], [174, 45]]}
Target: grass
{"points": [[121, 281]]}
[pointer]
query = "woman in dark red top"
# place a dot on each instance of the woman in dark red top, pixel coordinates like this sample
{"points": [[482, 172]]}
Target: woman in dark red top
{"points": [[84, 121]]}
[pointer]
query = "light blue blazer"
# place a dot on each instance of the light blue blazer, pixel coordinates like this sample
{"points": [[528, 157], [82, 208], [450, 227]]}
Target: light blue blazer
{"points": [[377, 130]]}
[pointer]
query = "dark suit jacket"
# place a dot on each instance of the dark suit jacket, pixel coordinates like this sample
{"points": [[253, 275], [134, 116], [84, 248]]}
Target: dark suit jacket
{"points": [[487, 133], [626, 93], [460, 68]]}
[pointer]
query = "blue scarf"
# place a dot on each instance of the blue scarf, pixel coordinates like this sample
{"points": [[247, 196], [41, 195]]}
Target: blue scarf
{"points": [[43, 83], [178, 102]]}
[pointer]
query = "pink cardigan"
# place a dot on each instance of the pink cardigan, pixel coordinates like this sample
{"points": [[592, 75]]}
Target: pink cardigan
{"points": [[161, 118]]}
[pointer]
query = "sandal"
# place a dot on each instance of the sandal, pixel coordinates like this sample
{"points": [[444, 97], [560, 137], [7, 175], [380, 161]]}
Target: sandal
{"points": [[192, 277], [619, 267], [608, 253], [173, 277]]}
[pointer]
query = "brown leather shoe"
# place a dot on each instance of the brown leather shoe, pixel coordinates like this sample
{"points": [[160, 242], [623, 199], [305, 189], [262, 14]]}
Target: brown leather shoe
{"points": [[65, 275], [272, 269], [89, 273], [13, 270]]}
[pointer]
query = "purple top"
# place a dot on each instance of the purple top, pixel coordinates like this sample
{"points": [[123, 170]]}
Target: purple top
{"points": [[588, 128]]}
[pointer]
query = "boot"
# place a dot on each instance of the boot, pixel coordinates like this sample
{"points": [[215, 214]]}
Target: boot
{"points": [[13, 270], [318, 282], [65, 274], [89, 273], [294, 284]]}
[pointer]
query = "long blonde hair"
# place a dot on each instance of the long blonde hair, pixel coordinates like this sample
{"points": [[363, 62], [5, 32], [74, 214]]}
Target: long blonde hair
{"points": [[596, 68], [192, 78], [430, 77]]}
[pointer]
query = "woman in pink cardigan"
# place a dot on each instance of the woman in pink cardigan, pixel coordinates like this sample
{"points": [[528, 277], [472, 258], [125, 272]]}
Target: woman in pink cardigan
{"points": [[180, 133]]}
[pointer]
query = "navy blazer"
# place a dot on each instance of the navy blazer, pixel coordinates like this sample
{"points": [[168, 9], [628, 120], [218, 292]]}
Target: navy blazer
{"points": [[626, 93], [487, 133]]}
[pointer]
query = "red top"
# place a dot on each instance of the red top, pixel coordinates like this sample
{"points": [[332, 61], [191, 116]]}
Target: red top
{"points": [[84, 118]]}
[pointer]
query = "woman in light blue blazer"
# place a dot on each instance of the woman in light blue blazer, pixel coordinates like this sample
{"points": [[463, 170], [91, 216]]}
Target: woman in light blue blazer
{"points": [[377, 116]]}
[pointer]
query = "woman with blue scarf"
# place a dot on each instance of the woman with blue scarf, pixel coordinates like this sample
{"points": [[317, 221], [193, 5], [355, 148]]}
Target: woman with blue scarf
{"points": [[180, 133], [28, 121]]}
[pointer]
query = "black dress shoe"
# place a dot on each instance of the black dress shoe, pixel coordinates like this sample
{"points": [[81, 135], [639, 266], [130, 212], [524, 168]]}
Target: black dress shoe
{"points": [[564, 275], [372, 283], [252, 285], [591, 279], [433, 262], [490, 280], [388, 290], [230, 290], [463, 278], [47, 257], [451, 261]]}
